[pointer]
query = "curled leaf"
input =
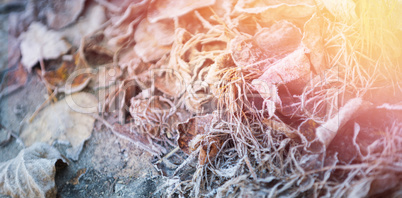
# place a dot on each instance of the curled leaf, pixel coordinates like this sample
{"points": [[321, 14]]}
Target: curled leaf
{"points": [[31, 173]]}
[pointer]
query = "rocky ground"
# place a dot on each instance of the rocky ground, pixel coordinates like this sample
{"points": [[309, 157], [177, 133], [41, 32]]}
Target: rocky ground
{"points": [[107, 166]]}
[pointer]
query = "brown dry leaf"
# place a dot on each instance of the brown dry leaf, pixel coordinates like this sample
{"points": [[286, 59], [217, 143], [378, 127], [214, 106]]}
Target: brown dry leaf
{"points": [[40, 43], [192, 134], [59, 14], [31, 173], [159, 10], [67, 78], [292, 71], [96, 51], [13, 80], [312, 39], [209, 149], [191, 131], [153, 40], [67, 121]]}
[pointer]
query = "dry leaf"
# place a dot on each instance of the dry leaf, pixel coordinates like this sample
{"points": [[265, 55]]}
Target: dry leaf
{"points": [[293, 71], [121, 29], [91, 21], [13, 51], [59, 14], [31, 173], [209, 149], [67, 121], [159, 10], [281, 38], [13, 80], [192, 134], [66, 78], [190, 129], [114, 6], [153, 40], [166, 80], [326, 132], [40, 43], [214, 74]]}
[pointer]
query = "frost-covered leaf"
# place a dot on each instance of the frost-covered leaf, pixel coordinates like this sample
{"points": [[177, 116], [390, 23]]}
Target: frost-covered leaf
{"points": [[189, 130], [59, 14], [159, 10], [122, 26], [40, 43], [193, 134], [328, 130], [66, 121], [153, 40], [281, 38], [31, 173], [292, 71], [91, 20]]}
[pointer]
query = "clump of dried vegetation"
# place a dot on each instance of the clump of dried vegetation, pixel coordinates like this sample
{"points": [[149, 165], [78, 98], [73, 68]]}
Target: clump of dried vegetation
{"points": [[261, 98], [267, 98]]}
